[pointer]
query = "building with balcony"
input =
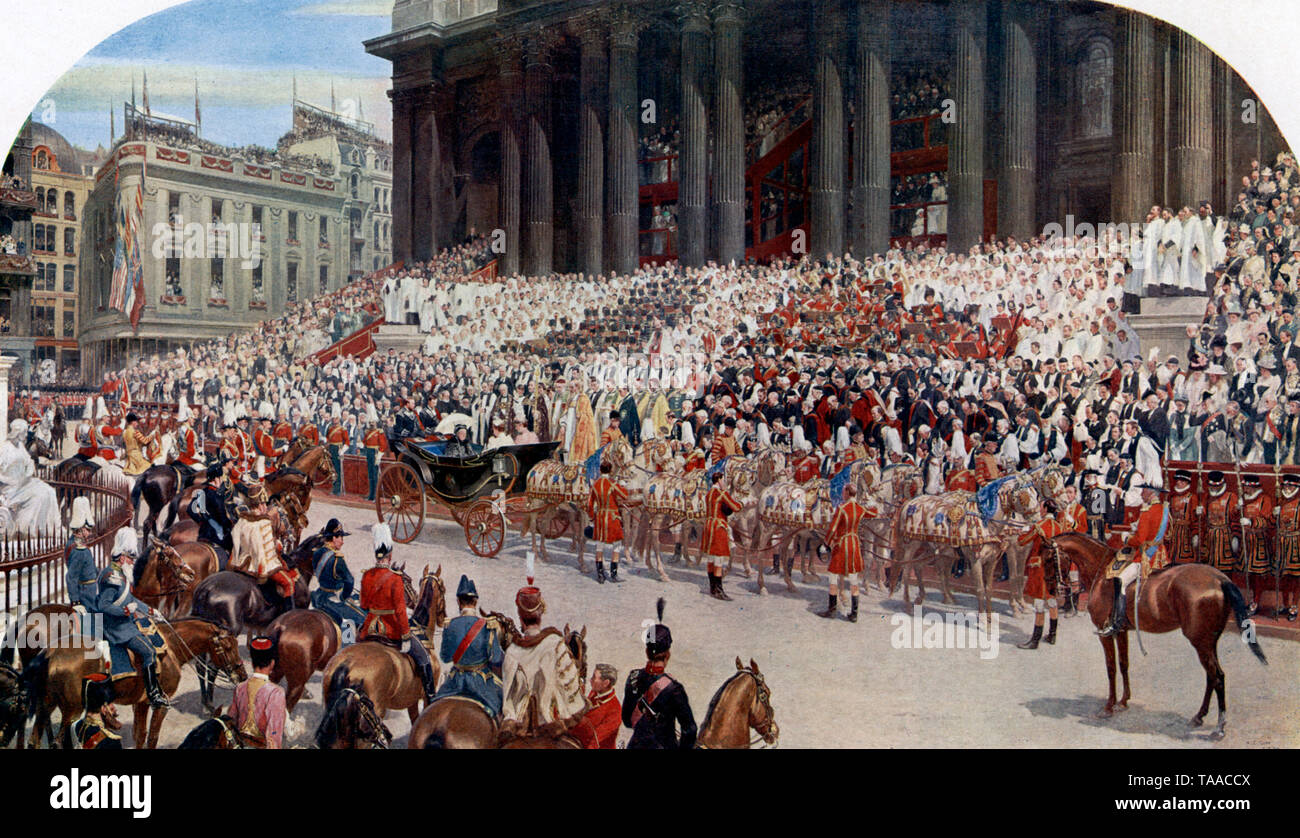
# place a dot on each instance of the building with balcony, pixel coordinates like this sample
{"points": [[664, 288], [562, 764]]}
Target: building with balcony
{"points": [[17, 261], [532, 116], [205, 210], [61, 180], [364, 164]]}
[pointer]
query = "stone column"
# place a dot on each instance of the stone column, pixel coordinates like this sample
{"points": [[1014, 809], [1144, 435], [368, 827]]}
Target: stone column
{"points": [[729, 136], [401, 204], [1190, 137], [966, 149], [870, 232], [591, 153], [539, 214], [1226, 114], [693, 155], [827, 157], [6, 364], [1134, 117], [1016, 181], [622, 188], [508, 190], [423, 147]]}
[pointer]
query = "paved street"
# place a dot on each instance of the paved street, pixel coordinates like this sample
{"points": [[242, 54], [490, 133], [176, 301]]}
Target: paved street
{"points": [[837, 684]]}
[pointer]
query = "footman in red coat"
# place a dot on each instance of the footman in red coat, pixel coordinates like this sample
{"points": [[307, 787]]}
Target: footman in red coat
{"points": [[846, 551], [599, 727]]}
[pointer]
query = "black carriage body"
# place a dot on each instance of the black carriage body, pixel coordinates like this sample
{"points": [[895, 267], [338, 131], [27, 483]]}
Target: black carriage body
{"points": [[460, 480]]}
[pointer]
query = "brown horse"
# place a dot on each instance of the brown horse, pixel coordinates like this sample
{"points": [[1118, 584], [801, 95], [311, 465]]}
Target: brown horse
{"points": [[219, 733], [386, 676], [1195, 598], [457, 723], [58, 672], [305, 641], [742, 703], [166, 575]]}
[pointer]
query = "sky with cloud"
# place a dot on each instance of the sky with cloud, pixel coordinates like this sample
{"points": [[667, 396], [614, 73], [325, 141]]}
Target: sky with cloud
{"points": [[244, 55]]}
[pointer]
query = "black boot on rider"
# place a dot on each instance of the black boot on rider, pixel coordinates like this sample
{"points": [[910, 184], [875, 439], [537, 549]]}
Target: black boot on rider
{"points": [[152, 690], [853, 609], [1051, 631], [1117, 615], [832, 606], [1032, 642]]}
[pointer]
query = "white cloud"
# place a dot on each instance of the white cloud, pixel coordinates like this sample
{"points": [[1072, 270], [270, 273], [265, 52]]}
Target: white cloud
{"points": [[358, 8]]}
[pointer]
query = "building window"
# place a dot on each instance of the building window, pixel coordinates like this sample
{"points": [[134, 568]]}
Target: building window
{"points": [[69, 323], [1094, 86], [291, 283], [69, 206], [293, 228], [324, 232], [324, 279], [43, 321], [172, 283], [258, 295], [69, 241], [52, 201], [42, 160], [217, 292], [69, 279], [38, 238], [356, 183]]}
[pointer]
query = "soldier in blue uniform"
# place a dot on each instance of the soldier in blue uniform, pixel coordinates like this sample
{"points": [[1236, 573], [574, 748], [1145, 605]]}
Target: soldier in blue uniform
{"points": [[472, 645], [654, 703], [90, 732], [208, 508], [334, 596], [82, 576], [123, 614]]}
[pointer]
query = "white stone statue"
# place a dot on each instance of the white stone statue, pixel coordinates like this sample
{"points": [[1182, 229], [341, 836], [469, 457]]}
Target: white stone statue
{"points": [[33, 508]]}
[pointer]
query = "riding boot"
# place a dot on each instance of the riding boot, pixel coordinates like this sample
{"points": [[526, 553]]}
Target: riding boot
{"points": [[152, 690], [613, 572], [720, 593], [1051, 631], [1032, 642], [832, 607], [1117, 613], [853, 610], [600, 572]]}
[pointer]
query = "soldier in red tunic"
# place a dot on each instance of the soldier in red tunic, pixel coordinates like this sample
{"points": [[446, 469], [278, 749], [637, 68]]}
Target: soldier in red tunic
{"points": [[383, 598], [1222, 525], [1256, 537], [599, 727], [1073, 518], [846, 552], [606, 522], [717, 534], [283, 432], [612, 431], [1288, 526], [1182, 526], [1041, 574], [1144, 552], [268, 452]]}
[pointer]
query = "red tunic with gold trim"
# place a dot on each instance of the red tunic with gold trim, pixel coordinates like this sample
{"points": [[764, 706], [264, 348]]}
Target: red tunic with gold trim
{"points": [[283, 432], [599, 727], [694, 460], [375, 439], [1221, 523], [609, 435], [1257, 535], [986, 468], [1288, 524], [724, 445], [602, 506], [846, 544], [1182, 509], [717, 535], [384, 601], [1144, 537], [336, 434], [807, 468], [266, 447], [104, 431], [962, 480], [310, 433], [1074, 518], [187, 447], [1037, 585], [230, 450]]}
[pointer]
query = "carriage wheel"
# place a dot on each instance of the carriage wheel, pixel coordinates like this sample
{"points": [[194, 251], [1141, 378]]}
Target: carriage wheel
{"points": [[399, 501], [485, 528]]}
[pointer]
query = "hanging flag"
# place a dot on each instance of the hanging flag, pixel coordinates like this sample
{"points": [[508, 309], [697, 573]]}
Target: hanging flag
{"points": [[838, 481], [717, 467], [145, 83], [198, 114], [133, 305], [118, 287]]}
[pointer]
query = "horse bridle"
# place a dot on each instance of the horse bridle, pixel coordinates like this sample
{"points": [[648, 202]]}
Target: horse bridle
{"points": [[220, 674], [764, 698], [368, 711]]}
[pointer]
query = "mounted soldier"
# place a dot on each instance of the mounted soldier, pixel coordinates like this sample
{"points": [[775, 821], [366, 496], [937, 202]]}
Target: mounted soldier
{"points": [[383, 598], [541, 687], [127, 620], [334, 594], [81, 579], [472, 645], [655, 705], [1143, 553], [256, 550], [267, 448], [209, 508]]}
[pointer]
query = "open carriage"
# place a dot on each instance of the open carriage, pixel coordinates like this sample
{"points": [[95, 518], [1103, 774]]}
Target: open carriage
{"points": [[480, 490]]}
